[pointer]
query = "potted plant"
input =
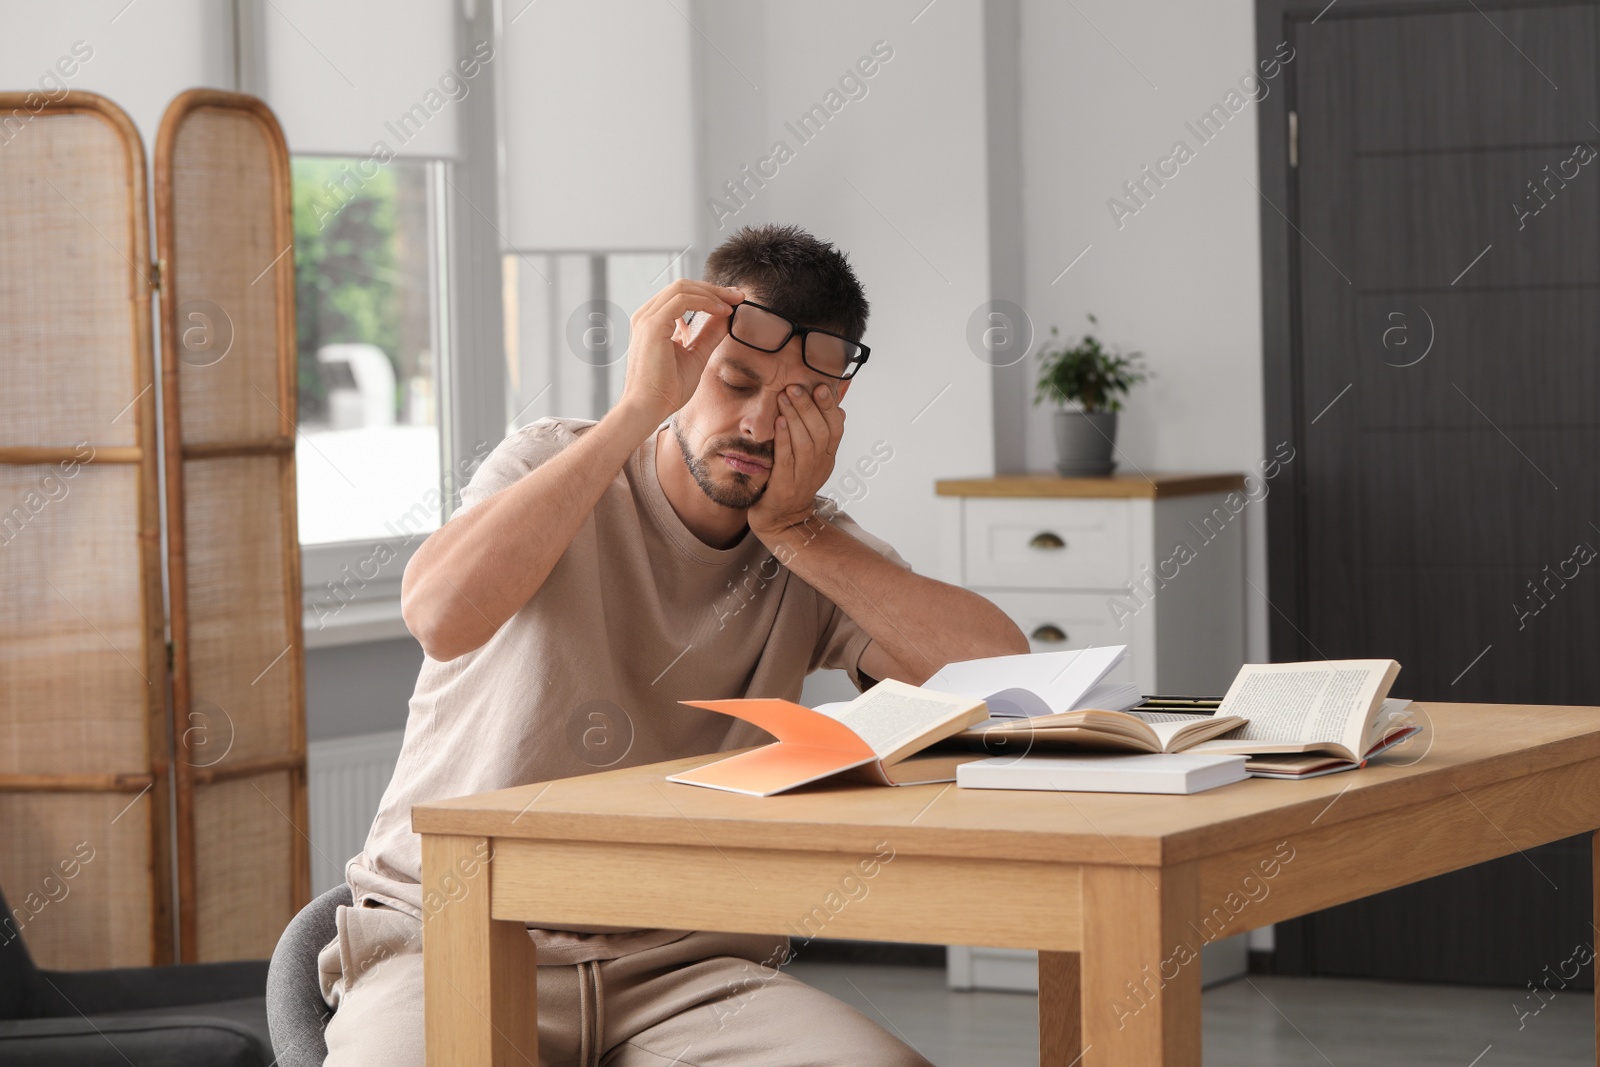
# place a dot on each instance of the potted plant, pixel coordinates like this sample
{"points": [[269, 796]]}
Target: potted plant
{"points": [[1088, 383]]}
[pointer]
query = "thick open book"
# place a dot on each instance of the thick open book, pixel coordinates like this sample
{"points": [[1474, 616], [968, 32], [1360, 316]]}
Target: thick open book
{"points": [[1095, 730], [1040, 683], [1397, 723], [1331, 707], [870, 735]]}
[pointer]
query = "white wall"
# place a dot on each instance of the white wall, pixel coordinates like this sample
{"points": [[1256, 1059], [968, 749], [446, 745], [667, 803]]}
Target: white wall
{"points": [[142, 55], [597, 110], [1107, 88], [896, 179]]}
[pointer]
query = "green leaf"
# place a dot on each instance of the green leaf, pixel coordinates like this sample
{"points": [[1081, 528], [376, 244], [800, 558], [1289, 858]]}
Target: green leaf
{"points": [[1087, 373]]}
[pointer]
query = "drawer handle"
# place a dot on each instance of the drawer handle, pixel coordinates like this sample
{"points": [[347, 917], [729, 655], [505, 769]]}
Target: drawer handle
{"points": [[1048, 632], [1047, 540]]}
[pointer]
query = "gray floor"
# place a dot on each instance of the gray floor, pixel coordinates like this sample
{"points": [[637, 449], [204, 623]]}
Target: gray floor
{"points": [[1252, 1022]]}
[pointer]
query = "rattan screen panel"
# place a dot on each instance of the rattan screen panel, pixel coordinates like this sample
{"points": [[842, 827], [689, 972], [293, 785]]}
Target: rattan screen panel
{"points": [[224, 236], [82, 654], [243, 839], [77, 870], [224, 277], [71, 260], [71, 578], [239, 640]]}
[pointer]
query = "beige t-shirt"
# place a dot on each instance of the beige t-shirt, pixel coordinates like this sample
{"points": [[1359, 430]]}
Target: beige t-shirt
{"points": [[637, 614]]}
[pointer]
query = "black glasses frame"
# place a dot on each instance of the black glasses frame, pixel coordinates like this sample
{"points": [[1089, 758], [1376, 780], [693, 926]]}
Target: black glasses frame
{"points": [[802, 331]]}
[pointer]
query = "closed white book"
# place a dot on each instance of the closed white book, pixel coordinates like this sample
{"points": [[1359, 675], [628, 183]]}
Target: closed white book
{"points": [[1165, 772]]}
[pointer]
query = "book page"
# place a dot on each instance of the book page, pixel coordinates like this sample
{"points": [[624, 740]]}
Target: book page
{"points": [[1015, 703], [1153, 717], [1180, 732], [1394, 714], [1058, 680], [1022, 740], [894, 718], [1112, 696], [1306, 703]]}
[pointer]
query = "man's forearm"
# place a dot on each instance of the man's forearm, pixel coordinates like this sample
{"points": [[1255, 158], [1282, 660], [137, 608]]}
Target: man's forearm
{"points": [[922, 623], [480, 568]]}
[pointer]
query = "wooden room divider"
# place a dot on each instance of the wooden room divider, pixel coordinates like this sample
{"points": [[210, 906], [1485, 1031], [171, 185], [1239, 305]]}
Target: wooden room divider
{"points": [[85, 835], [100, 758], [224, 238]]}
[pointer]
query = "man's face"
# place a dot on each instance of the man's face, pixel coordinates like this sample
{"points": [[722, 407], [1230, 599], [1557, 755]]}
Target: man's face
{"points": [[726, 429]]}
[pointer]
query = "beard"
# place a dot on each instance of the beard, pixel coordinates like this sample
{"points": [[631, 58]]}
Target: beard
{"points": [[741, 493]]}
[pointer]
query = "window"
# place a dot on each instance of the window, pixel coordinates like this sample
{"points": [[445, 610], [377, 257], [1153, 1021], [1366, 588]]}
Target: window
{"points": [[369, 284]]}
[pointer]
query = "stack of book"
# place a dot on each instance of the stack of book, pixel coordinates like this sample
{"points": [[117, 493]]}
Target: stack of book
{"points": [[885, 734], [1051, 721]]}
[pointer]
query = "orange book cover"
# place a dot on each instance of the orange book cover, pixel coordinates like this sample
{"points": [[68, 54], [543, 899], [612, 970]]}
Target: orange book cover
{"points": [[885, 724]]}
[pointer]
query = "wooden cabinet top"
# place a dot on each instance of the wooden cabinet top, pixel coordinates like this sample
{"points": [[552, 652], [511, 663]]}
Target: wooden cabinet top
{"points": [[1043, 484]]}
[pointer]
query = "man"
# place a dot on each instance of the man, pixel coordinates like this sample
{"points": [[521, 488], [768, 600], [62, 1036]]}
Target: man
{"points": [[596, 574]]}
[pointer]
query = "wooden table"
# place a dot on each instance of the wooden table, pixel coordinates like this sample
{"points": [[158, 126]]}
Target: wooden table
{"points": [[1118, 892]]}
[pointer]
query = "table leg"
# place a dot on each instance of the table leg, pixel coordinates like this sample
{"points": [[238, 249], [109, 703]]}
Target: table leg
{"points": [[478, 972], [1140, 967], [1060, 1010], [1594, 859]]}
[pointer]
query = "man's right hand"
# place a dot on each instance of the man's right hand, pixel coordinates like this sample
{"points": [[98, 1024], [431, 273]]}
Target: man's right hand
{"points": [[665, 356]]}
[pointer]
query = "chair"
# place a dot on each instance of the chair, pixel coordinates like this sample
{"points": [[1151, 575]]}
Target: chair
{"points": [[296, 1012], [201, 1014]]}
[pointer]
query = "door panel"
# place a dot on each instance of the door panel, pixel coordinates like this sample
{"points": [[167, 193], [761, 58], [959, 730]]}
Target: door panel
{"points": [[1415, 236], [1448, 79], [1444, 392], [1473, 340]]}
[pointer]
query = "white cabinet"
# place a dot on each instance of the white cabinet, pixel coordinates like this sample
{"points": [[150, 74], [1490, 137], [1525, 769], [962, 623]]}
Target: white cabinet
{"points": [[1155, 563], [1079, 544]]}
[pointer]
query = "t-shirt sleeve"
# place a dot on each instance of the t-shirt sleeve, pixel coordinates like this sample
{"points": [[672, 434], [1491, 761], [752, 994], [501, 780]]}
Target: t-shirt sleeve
{"points": [[512, 458], [841, 640]]}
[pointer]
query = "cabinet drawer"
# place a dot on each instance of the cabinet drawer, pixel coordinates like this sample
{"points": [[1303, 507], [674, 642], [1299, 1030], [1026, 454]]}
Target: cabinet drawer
{"points": [[1047, 544], [1082, 619]]}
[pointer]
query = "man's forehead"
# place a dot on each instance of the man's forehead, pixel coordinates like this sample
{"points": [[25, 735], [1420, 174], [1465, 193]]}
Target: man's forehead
{"points": [[776, 306]]}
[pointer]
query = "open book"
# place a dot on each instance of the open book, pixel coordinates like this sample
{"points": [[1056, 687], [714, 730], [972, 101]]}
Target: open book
{"points": [[874, 733], [1295, 766], [1331, 707], [1096, 730], [1040, 683]]}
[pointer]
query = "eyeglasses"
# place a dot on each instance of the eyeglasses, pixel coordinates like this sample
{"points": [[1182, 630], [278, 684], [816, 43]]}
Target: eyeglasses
{"points": [[767, 331]]}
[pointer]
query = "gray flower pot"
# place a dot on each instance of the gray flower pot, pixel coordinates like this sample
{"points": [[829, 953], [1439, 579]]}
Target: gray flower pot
{"points": [[1084, 442]]}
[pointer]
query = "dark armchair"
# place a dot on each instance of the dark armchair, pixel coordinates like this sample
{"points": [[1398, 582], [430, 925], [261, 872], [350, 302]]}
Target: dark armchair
{"points": [[211, 1014]]}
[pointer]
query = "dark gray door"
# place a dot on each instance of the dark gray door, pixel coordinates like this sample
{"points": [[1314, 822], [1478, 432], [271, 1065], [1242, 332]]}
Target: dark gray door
{"points": [[1444, 390]]}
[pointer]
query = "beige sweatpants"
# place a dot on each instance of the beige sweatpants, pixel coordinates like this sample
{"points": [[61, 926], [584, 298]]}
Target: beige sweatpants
{"points": [[706, 1000]]}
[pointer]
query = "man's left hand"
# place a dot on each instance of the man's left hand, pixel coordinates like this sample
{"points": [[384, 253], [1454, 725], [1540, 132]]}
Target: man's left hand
{"points": [[809, 428]]}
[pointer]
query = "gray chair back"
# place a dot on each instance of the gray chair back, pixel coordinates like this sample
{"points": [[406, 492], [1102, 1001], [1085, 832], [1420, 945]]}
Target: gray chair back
{"points": [[296, 1012]]}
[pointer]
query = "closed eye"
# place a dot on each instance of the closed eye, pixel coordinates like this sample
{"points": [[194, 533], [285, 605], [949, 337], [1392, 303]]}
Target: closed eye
{"points": [[740, 389]]}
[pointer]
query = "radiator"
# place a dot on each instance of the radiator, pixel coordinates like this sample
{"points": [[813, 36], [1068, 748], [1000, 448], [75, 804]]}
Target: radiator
{"points": [[345, 780]]}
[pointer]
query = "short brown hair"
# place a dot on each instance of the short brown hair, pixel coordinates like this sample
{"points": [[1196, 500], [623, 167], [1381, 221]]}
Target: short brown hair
{"points": [[806, 279]]}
